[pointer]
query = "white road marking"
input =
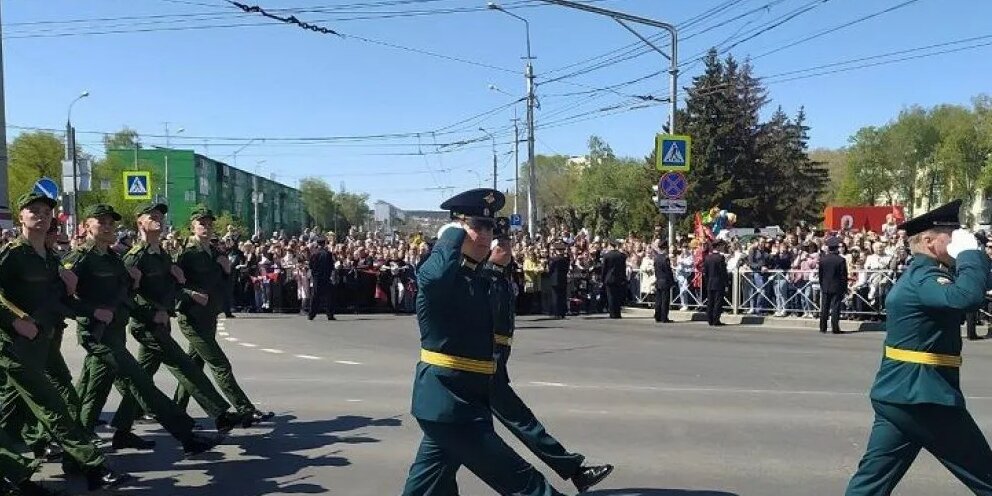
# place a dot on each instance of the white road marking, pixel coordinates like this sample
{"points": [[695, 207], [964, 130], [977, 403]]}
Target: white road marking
{"points": [[222, 334], [233, 340], [272, 350], [249, 345], [347, 362], [549, 384], [354, 401], [308, 357]]}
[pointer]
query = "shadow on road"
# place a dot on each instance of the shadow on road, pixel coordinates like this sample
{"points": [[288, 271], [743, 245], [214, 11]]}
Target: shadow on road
{"points": [[268, 463], [640, 491]]}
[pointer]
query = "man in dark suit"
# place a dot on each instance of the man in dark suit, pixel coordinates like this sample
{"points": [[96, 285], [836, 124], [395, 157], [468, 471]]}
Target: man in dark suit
{"points": [[321, 268], [715, 281], [663, 282], [558, 274], [614, 274], [833, 285]]}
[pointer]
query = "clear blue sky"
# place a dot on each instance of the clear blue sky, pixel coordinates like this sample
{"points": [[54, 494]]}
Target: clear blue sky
{"points": [[265, 79]]}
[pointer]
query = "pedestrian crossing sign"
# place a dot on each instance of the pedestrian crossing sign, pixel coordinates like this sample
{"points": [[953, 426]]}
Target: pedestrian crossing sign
{"points": [[673, 152], [137, 185]]}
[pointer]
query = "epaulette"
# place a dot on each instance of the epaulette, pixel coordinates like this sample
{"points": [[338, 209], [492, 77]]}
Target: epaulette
{"points": [[136, 249]]}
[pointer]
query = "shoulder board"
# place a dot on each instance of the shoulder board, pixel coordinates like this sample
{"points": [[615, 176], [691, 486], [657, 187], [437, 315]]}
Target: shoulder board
{"points": [[136, 249]]}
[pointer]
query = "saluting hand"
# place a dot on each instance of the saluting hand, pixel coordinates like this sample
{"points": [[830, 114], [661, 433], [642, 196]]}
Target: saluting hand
{"points": [[961, 240], [26, 328]]}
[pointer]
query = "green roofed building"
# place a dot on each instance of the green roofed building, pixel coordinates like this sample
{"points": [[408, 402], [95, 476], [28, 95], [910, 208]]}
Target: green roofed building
{"points": [[194, 178]]}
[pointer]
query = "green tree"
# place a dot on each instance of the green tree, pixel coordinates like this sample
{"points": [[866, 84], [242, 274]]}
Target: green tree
{"points": [[354, 208], [33, 156], [226, 219], [318, 200], [833, 161], [125, 138], [868, 175]]}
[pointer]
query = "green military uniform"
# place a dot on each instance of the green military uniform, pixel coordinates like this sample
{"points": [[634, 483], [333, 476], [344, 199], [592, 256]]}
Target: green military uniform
{"points": [[451, 389], [917, 396], [157, 292], [14, 467], [199, 322], [27, 282], [104, 282]]}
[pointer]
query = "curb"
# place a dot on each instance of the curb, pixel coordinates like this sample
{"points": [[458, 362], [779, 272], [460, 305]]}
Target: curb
{"points": [[756, 320]]}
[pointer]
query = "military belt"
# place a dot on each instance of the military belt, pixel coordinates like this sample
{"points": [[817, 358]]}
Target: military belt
{"points": [[487, 367], [503, 340], [13, 308], [922, 357]]}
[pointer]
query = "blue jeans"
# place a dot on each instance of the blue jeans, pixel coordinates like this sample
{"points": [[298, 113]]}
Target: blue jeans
{"points": [[759, 303]]}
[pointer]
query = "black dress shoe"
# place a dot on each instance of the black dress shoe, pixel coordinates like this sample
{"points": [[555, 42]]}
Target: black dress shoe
{"points": [[259, 416], [198, 444], [128, 439], [227, 421], [310, 317], [331, 318], [103, 478], [668, 321], [28, 488], [587, 477], [146, 419], [70, 466], [836, 332], [718, 324]]}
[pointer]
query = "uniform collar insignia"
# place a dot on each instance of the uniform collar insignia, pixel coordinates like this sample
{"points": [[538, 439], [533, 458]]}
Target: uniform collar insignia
{"points": [[489, 198]]}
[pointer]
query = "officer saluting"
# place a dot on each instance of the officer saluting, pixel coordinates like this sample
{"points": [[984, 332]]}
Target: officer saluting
{"points": [[508, 408], [916, 396], [453, 379]]}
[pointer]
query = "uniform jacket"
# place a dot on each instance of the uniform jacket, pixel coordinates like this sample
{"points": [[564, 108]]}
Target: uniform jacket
{"points": [[203, 275], [664, 277], [321, 267], [833, 273], [925, 308], [558, 271], [157, 287], [715, 272], [455, 318], [614, 268]]}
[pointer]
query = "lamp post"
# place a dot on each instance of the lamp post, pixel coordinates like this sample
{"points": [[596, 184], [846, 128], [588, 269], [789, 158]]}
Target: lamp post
{"points": [[673, 69], [532, 212], [493, 138], [70, 154], [516, 151]]}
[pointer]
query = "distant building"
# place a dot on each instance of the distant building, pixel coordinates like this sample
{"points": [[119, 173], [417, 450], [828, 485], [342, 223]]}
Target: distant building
{"points": [[194, 178]]}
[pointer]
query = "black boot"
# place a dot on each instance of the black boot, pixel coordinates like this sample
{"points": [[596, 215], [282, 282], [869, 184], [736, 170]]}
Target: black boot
{"points": [[197, 444], [104, 478], [49, 452], [256, 417], [227, 421], [28, 488], [587, 477], [128, 439]]}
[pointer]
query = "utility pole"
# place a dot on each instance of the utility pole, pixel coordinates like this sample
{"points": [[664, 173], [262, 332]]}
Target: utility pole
{"points": [[493, 138], [6, 219], [516, 161], [673, 69]]}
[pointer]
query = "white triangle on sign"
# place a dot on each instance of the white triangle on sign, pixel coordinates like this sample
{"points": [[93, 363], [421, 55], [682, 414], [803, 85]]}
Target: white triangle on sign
{"points": [[674, 156], [137, 187]]}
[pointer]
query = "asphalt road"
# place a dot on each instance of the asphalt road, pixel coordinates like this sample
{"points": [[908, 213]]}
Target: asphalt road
{"points": [[680, 409]]}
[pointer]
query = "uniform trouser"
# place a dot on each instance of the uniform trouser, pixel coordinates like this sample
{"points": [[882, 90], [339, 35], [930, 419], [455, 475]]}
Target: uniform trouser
{"points": [[971, 324], [830, 302], [662, 303], [714, 305], [614, 298], [560, 301], [20, 365], [58, 372], [158, 347], [108, 364], [900, 431], [446, 447], [511, 411], [201, 332], [14, 467], [323, 300]]}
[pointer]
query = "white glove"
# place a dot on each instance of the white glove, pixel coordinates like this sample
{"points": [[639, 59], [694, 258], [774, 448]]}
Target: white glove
{"points": [[961, 240], [454, 225]]}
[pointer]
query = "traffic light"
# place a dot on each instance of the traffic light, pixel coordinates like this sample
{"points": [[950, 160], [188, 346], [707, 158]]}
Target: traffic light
{"points": [[656, 196]]}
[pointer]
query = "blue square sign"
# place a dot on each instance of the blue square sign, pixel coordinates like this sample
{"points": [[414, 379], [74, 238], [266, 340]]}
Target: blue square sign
{"points": [[673, 152]]}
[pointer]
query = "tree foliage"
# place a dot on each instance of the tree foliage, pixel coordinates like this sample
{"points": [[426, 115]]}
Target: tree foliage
{"points": [[334, 210], [31, 157]]}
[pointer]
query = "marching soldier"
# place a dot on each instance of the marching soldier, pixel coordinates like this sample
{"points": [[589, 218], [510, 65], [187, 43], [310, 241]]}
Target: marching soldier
{"points": [[104, 286], [451, 389], [154, 303], [917, 396], [199, 304], [506, 406], [16, 471], [28, 274], [832, 272]]}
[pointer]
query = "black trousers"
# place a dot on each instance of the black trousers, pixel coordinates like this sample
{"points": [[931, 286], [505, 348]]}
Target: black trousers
{"points": [[559, 302], [615, 298], [322, 301], [714, 305], [971, 323], [662, 303], [830, 302]]}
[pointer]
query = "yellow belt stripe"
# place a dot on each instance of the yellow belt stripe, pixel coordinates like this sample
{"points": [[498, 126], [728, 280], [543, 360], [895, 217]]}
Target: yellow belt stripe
{"points": [[12, 307], [503, 340], [922, 357], [458, 363]]}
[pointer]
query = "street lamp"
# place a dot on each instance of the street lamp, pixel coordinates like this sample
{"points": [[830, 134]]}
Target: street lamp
{"points": [[532, 212], [494, 154], [70, 154], [516, 150]]}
